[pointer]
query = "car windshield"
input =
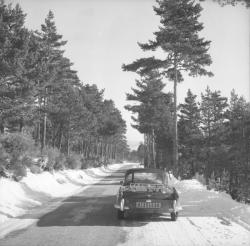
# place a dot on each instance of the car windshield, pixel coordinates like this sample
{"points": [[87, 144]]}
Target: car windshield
{"points": [[144, 177]]}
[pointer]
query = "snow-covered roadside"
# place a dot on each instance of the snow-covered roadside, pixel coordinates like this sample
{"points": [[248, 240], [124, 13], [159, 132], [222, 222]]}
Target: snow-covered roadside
{"points": [[18, 198], [196, 200]]}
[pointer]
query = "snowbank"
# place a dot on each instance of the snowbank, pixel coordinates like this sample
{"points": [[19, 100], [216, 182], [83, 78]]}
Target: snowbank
{"points": [[193, 184], [172, 180], [196, 200], [16, 198]]}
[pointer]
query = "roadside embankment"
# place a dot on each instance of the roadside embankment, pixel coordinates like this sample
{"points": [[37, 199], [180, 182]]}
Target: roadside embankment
{"points": [[16, 198]]}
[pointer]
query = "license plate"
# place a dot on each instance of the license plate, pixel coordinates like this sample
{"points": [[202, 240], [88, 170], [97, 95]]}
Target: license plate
{"points": [[148, 205]]}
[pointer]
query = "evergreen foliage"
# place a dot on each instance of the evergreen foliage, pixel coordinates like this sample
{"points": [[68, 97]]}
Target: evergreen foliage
{"points": [[41, 94], [233, 2], [214, 137], [190, 135], [15, 54], [213, 107], [154, 118]]}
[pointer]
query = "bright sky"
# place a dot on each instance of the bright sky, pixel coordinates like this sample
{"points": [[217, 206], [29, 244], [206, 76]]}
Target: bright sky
{"points": [[103, 34]]}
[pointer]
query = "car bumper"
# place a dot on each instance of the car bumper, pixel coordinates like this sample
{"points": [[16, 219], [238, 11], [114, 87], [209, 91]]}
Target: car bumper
{"points": [[143, 210], [167, 207], [119, 207]]}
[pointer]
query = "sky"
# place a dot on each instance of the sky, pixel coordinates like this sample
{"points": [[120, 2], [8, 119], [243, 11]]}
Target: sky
{"points": [[103, 34]]}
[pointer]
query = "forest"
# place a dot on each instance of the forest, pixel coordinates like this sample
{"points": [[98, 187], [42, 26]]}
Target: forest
{"points": [[213, 135], [45, 110]]}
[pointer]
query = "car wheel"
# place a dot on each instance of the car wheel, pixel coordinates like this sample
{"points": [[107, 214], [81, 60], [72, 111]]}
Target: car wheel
{"points": [[174, 216], [126, 214], [120, 214]]}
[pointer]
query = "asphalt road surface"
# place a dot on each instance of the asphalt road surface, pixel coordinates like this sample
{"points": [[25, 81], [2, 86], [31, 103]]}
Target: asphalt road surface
{"points": [[89, 218]]}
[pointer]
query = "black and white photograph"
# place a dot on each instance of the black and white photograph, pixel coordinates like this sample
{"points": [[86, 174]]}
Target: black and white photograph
{"points": [[125, 122]]}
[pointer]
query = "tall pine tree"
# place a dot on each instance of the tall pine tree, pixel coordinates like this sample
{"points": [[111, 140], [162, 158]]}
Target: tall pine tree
{"points": [[50, 59], [213, 108], [16, 64], [190, 135], [154, 118], [185, 51]]}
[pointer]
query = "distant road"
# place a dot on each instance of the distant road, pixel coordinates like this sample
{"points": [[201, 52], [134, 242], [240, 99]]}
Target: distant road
{"points": [[89, 218]]}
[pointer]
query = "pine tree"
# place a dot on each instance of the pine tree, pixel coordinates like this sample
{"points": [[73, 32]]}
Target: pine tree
{"points": [[185, 50], [153, 115], [190, 136], [213, 108], [238, 136], [50, 58], [38, 88], [16, 63]]}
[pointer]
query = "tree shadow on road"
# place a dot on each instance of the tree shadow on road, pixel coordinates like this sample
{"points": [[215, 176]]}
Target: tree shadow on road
{"points": [[91, 211]]}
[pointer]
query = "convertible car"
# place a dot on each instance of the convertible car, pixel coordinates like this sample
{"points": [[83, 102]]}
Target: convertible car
{"points": [[145, 190]]}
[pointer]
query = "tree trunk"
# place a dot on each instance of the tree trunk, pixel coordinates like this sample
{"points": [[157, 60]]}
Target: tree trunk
{"points": [[87, 150], [115, 152], [82, 149], [38, 129], [208, 162], [54, 133], [68, 145], [44, 123], [106, 151], [2, 128], [38, 140], [175, 142], [68, 138], [21, 125], [99, 151], [148, 151], [44, 130], [153, 148], [60, 140], [145, 151], [102, 149]]}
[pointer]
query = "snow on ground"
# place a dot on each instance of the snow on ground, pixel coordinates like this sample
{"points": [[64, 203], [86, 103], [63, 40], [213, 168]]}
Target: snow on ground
{"points": [[186, 231], [196, 199], [207, 217], [17, 198], [14, 199]]}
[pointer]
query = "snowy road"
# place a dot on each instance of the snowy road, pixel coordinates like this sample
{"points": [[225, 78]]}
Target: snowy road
{"points": [[89, 218]]}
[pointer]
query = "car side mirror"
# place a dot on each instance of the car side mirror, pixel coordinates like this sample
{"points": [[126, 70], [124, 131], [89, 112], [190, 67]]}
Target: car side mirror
{"points": [[121, 182]]}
